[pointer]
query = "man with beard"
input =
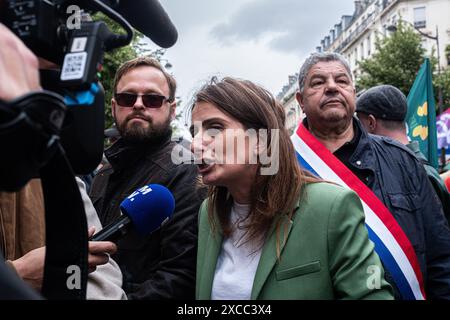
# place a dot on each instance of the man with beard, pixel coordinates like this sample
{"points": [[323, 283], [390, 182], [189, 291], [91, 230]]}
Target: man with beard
{"points": [[162, 264], [394, 175]]}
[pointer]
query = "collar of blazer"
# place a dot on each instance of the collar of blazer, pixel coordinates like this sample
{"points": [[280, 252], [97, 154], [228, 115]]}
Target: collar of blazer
{"points": [[266, 264]]}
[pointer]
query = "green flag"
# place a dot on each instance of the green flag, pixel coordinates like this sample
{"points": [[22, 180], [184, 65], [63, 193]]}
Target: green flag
{"points": [[421, 117]]}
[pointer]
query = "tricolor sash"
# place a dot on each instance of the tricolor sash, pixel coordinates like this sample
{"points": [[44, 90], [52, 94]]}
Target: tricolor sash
{"points": [[391, 244]]}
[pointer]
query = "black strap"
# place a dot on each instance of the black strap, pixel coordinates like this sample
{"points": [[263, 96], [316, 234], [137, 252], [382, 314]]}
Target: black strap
{"points": [[66, 267], [30, 126]]}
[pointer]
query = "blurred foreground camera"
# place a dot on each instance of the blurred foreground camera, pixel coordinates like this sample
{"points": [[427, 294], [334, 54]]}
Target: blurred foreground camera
{"points": [[61, 31], [58, 132]]}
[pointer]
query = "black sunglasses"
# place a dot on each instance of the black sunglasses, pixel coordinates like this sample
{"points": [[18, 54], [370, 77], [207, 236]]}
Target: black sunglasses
{"points": [[149, 100]]}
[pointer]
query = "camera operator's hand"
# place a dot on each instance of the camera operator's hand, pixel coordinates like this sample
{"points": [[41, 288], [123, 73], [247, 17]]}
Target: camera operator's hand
{"points": [[19, 73], [30, 267]]}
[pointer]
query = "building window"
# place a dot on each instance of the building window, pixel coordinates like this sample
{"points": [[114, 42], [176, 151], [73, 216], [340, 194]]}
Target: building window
{"points": [[369, 46], [362, 50], [420, 20], [394, 19]]}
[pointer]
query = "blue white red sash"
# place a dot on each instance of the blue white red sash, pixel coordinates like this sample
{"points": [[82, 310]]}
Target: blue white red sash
{"points": [[391, 243]]}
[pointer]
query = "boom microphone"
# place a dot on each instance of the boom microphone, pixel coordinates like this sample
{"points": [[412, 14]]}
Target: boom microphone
{"points": [[149, 17], [146, 209]]}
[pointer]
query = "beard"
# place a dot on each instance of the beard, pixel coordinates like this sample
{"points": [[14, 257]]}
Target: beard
{"points": [[151, 134]]}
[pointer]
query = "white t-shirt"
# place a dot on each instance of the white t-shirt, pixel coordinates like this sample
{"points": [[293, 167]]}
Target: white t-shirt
{"points": [[237, 264]]}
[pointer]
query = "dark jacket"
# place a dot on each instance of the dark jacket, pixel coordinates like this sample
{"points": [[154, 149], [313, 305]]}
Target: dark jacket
{"points": [[434, 177], [399, 180], [161, 265]]}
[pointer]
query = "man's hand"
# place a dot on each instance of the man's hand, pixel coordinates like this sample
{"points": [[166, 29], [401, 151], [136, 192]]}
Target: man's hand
{"points": [[30, 267], [99, 251], [19, 72]]}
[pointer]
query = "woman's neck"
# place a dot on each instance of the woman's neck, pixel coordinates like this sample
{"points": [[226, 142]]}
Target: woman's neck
{"points": [[240, 195]]}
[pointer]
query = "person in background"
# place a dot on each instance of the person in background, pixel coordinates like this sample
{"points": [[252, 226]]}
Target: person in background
{"points": [[162, 264], [277, 234], [382, 111]]}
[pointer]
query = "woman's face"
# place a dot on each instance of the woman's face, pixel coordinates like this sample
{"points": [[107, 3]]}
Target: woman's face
{"points": [[224, 150]]}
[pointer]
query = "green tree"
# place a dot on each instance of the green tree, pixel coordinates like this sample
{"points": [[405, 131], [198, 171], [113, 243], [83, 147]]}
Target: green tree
{"points": [[396, 61], [442, 82], [177, 123]]}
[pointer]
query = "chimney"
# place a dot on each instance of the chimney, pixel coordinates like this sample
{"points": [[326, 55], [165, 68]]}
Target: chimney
{"points": [[338, 28], [346, 21], [358, 7]]}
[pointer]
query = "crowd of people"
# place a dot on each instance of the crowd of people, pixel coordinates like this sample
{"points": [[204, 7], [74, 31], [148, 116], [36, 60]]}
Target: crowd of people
{"points": [[239, 230]]}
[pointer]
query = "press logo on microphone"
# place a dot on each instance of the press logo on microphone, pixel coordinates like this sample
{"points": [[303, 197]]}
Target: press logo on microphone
{"points": [[142, 191]]}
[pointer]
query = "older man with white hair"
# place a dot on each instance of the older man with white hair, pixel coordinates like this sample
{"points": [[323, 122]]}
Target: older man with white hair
{"points": [[379, 166]]}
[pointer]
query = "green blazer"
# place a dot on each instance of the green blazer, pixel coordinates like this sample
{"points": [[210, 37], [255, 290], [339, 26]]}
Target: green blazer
{"points": [[327, 255]]}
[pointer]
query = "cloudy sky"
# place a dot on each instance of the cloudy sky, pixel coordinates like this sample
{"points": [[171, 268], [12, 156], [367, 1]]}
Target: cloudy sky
{"points": [[259, 40]]}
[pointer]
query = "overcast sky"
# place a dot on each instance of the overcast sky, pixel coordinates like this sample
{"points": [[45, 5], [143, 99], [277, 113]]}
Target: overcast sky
{"points": [[259, 40]]}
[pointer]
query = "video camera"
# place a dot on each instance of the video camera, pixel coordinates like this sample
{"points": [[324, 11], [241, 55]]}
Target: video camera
{"points": [[69, 110], [62, 32], [56, 31]]}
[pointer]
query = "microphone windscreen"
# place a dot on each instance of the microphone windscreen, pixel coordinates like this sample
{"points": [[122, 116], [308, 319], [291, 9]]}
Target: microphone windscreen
{"points": [[149, 207], [150, 18]]}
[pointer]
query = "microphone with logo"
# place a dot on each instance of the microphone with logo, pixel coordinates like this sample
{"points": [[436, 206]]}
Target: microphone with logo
{"points": [[145, 210]]}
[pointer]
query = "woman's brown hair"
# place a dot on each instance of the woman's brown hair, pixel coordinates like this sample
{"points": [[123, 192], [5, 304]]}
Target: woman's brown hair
{"points": [[272, 196]]}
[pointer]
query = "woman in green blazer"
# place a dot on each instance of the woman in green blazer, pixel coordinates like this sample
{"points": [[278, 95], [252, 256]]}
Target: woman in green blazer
{"points": [[268, 229]]}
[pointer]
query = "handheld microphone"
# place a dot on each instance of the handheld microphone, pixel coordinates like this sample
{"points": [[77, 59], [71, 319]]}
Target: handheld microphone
{"points": [[146, 210]]}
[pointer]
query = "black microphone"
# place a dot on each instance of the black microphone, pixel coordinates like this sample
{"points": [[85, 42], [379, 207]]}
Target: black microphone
{"points": [[146, 210], [150, 18]]}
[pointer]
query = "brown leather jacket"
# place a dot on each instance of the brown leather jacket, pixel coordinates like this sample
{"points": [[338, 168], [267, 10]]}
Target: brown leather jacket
{"points": [[22, 220]]}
